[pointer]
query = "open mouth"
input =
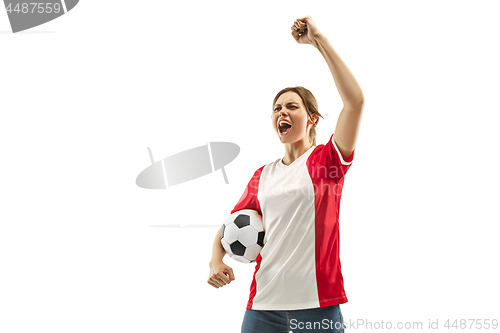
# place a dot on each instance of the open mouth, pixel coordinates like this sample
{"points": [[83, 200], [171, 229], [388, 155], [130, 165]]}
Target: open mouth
{"points": [[284, 128]]}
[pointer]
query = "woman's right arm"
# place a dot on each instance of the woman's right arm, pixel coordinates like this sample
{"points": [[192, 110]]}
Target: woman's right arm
{"points": [[220, 273]]}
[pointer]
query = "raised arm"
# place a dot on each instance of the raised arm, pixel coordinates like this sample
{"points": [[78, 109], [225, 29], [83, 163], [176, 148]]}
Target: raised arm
{"points": [[347, 129]]}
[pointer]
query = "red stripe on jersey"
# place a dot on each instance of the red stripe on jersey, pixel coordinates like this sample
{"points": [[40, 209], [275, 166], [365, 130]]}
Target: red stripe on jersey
{"points": [[327, 171], [253, 286], [328, 271], [249, 198], [249, 201]]}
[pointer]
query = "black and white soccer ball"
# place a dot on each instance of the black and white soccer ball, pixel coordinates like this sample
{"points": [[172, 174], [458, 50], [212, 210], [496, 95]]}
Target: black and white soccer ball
{"points": [[242, 235]]}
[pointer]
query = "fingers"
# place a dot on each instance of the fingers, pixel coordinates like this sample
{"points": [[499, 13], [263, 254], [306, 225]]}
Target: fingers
{"points": [[299, 26], [231, 274], [298, 29], [297, 33], [223, 277], [213, 284], [219, 279]]}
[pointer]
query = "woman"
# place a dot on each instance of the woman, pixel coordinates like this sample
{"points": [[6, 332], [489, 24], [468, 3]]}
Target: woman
{"points": [[298, 284]]}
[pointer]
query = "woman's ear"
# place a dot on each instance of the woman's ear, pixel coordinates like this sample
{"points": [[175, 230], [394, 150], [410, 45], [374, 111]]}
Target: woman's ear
{"points": [[313, 118]]}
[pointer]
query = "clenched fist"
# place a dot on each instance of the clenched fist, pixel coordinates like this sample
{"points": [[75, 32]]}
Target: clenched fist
{"points": [[304, 30], [220, 274]]}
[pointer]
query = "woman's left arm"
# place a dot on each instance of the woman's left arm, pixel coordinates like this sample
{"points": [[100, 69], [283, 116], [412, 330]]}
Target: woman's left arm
{"points": [[347, 129]]}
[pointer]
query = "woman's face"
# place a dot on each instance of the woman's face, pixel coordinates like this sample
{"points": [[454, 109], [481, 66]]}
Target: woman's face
{"points": [[290, 109]]}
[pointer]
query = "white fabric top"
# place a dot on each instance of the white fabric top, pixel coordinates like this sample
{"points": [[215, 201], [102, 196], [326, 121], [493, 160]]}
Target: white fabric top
{"points": [[299, 265]]}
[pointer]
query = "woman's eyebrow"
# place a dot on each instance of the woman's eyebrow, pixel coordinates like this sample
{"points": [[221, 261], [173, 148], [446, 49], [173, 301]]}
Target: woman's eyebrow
{"points": [[287, 103]]}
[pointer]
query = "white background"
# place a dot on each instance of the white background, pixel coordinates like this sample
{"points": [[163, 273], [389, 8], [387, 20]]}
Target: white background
{"points": [[84, 249]]}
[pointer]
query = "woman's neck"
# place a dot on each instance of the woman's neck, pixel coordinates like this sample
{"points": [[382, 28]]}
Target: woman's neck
{"points": [[294, 150]]}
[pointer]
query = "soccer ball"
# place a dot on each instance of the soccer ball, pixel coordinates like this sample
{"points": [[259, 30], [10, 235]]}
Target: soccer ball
{"points": [[242, 235]]}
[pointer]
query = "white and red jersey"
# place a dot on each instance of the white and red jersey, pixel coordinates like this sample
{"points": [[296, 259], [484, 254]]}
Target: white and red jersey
{"points": [[299, 265]]}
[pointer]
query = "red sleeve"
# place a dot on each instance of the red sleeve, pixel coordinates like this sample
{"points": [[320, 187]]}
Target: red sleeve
{"points": [[329, 162], [249, 198]]}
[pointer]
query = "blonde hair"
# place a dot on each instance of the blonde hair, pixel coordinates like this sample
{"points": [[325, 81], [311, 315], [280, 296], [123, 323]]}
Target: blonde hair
{"points": [[311, 107]]}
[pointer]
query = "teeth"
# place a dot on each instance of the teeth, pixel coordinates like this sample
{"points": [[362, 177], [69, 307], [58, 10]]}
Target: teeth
{"points": [[282, 129]]}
